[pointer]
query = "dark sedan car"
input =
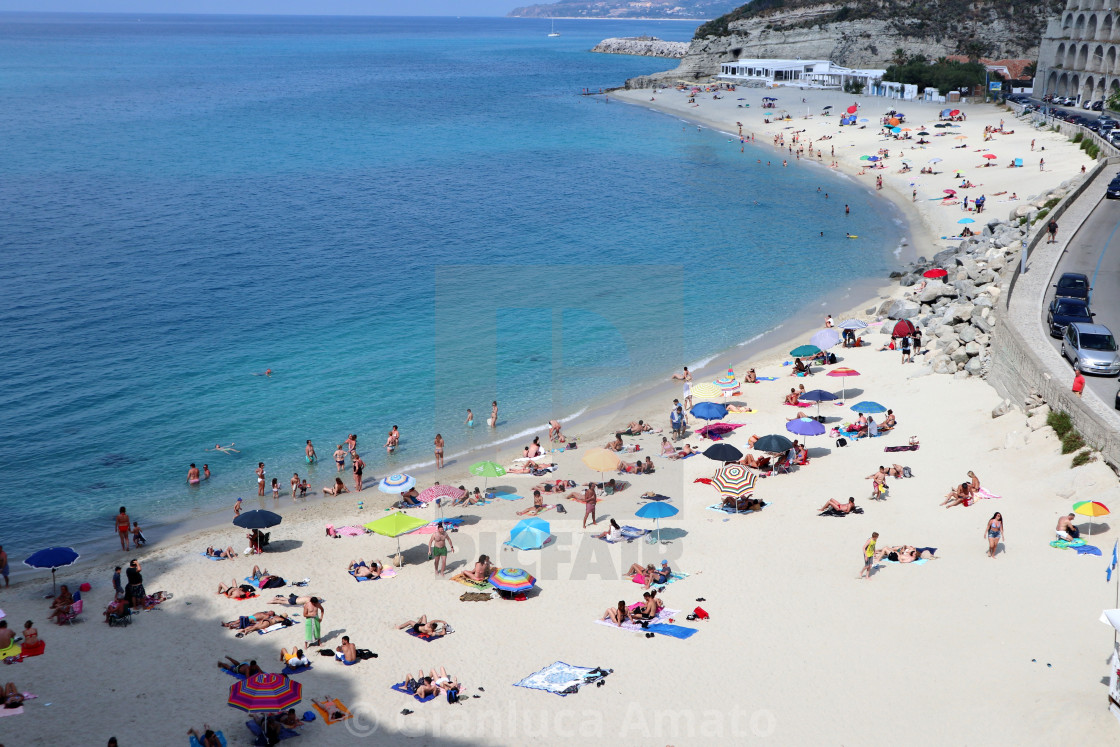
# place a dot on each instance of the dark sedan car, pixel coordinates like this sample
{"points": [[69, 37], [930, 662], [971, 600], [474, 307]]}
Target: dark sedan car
{"points": [[1072, 285], [1113, 190], [1065, 311]]}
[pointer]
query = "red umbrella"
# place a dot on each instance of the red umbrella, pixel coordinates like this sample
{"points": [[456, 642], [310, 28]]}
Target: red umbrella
{"points": [[989, 155], [954, 113], [852, 109], [949, 191], [936, 272], [843, 372], [903, 328]]}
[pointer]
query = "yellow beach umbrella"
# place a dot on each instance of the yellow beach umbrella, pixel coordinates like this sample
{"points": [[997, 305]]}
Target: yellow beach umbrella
{"points": [[706, 390], [1091, 509], [601, 460]]}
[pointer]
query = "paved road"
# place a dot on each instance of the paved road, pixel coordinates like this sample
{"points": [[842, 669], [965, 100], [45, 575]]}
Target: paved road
{"points": [[1095, 251]]}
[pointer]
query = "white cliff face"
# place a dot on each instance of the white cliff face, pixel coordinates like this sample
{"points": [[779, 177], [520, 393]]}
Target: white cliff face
{"points": [[646, 47]]}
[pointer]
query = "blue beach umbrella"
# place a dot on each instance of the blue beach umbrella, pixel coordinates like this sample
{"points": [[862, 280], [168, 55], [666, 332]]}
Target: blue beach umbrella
{"points": [[774, 444], [868, 408], [53, 558], [396, 483], [530, 534], [657, 512], [818, 396], [723, 453], [966, 220], [804, 351], [805, 427], [709, 411]]}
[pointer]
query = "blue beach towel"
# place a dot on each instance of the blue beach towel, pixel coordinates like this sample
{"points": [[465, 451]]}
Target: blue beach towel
{"points": [[235, 675], [400, 687], [673, 631], [299, 670], [769, 378], [507, 496], [1087, 550], [360, 579], [259, 734], [221, 739], [210, 557], [725, 510], [562, 679]]}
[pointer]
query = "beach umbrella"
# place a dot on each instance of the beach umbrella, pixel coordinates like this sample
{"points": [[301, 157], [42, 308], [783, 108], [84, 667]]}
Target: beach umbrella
{"points": [[828, 107], [258, 518], [723, 453], [818, 396], [945, 112], [825, 338], [966, 220], [935, 272], [942, 125], [53, 558], [961, 137], [709, 411], [438, 492], [865, 158], [805, 427], [734, 479], [529, 534], [853, 109], [804, 351], [657, 512], [512, 580], [896, 130], [774, 443], [601, 460], [1091, 509], [949, 191], [265, 692], [873, 158], [843, 373], [654, 497], [923, 132], [903, 328], [935, 160], [728, 383], [868, 407], [394, 525], [954, 113], [396, 483], [431, 527], [706, 390], [989, 155], [486, 470], [852, 324]]}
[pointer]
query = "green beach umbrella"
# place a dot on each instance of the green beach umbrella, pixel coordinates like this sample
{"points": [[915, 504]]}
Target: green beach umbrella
{"points": [[805, 351], [486, 470], [394, 525]]}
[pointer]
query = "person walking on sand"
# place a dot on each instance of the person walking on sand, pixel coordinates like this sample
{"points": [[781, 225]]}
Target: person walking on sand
{"points": [[312, 622], [589, 500], [439, 451], [828, 322], [1052, 229], [438, 546], [339, 458], [260, 478], [994, 532], [358, 465], [686, 379], [869, 555], [1078, 383], [1042, 164], [123, 525], [309, 451]]}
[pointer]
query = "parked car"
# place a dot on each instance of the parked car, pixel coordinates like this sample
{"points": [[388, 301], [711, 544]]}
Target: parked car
{"points": [[1091, 348], [1112, 192], [1066, 311], [1098, 105], [1072, 285]]}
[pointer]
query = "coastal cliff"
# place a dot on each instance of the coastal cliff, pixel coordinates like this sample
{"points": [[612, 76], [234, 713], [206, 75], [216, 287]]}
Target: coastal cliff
{"points": [[646, 46], [863, 33]]}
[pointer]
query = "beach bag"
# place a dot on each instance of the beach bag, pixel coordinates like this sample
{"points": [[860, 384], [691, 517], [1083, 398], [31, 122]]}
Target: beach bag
{"points": [[453, 695], [841, 441], [365, 653], [571, 444], [701, 613], [906, 472]]}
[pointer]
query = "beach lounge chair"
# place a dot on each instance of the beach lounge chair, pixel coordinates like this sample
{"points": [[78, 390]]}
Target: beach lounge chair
{"points": [[122, 619], [69, 616], [782, 467]]}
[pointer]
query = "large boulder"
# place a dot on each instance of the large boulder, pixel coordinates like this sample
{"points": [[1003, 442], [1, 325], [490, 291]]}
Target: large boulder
{"points": [[968, 334], [934, 291], [972, 348], [903, 309], [960, 312], [942, 364], [959, 355], [975, 366]]}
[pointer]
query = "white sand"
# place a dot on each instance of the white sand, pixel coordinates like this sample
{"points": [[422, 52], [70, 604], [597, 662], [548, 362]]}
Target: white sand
{"points": [[797, 649]]}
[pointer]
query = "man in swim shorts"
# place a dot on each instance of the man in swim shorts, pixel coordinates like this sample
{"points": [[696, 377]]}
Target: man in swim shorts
{"points": [[312, 620], [1066, 530], [437, 549], [340, 457]]}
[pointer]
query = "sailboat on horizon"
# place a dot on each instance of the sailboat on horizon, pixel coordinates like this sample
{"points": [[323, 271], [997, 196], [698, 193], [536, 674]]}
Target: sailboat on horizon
{"points": [[554, 32]]}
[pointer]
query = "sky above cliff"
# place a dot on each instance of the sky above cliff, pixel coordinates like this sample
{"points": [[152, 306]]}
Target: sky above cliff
{"points": [[273, 7]]}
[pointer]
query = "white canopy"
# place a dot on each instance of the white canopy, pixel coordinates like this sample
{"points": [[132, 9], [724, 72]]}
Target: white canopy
{"points": [[1111, 617]]}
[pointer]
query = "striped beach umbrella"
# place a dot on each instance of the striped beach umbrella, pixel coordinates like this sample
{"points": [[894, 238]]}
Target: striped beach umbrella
{"points": [[438, 492], [265, 692], [1091, 509], [852, 324], [396, 483], [512, 580], [706, 390], [843, 373], [734, 480], [728, 383]]}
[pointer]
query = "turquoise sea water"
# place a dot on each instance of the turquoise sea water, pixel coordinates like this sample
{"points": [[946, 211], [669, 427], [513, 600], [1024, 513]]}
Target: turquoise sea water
{"points": [[402, 218]]}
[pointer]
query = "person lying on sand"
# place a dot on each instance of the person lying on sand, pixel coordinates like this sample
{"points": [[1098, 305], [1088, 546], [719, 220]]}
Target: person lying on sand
{"points": [[266, 580], [637, 467], [288, 719], [750, 460], [206, 738], [294, 658], [482, 570], [637, 428], [744, 503], [246, 668], [360, 569], [291, 600], [432, 684], [686, 451], [216, 552], [904, 553], [338, 488], [835, 505], [469, 497], [617, 615], [424, 626], [236, 591]]}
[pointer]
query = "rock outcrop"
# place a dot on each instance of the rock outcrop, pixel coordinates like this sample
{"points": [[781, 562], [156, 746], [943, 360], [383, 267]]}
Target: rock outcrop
{"points": [[646, 46]]}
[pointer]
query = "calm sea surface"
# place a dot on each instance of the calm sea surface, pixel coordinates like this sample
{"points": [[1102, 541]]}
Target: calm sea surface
{"points": [[401, 218]]}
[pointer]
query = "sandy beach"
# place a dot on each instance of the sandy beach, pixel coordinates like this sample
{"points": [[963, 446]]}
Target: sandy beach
{"points": [[796, 651]]}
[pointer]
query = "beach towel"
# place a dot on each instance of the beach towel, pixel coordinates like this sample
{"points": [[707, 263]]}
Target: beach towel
{"points": [[332, 711], [1066, 544], [673, 631], [402, 688], [534, 511], [294, 670], [259, 733], [727, 510], [984, 493], [629, 534], [211, 557], [475, 596], [462, 579], [830, 511], [674, 576], [919, 561], [277, 626], [912, 447], [350, 531], [768, 378], [25, 652], [221, 739], [507, 496], [12, 650], [11, 711], [235, 675], [428, 638], [562, 679], [1087, 550], [662, 617]]}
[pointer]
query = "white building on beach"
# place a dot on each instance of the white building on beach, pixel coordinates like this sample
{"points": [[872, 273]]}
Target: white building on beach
{"points": [[807, 73]]}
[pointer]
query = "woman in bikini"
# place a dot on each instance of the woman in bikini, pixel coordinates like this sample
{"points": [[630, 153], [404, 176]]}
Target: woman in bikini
{"points": [[994, 533], [616, 615], [667, 448], [482, 570], [792, 397], [439, 451], [235, 590], [339, 488], [425, 627]]}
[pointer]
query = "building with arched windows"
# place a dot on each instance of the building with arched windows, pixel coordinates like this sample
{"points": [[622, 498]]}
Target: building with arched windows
{"points": [[1080, 52]]}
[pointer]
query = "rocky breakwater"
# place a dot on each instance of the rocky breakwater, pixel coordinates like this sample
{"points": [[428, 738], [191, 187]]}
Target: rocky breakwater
{"points": [[645, 46], [956, 313]]}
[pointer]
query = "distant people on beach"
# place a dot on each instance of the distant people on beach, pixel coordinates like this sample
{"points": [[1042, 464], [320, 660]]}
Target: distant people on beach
{"points": [[260, 478], [226, 449], [493, 421]]}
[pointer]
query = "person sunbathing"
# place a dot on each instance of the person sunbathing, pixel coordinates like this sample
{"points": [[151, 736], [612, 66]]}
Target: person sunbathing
{"points": [[958, 495], [338, 488], [686, 451], [611, 486], [288, 719], [617, 615], [432, 684], [207, 737], [637, 428], [616, 444], [751, 377], [359, 569], [750, 460], [425, 627], [800, 369], [11, 696], [61, 603], [835, 505], [667, 448], [266, 580], [482, 570], [533, 449], [291, 600], [646, 611], [792, 397], [469, 498], [269, 726], [634, 468], [216, 552], [259, 621], [613, 533], [347, 653], [294, 658], [236, 591], [904, 553], [31, 634], [245, 668], [888, 423], [799, 415]]}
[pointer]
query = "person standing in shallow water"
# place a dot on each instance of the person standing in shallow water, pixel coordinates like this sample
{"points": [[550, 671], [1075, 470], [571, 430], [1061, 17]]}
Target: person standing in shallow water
{"points": [[494, 414], [123, 527], [439, 451]]}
